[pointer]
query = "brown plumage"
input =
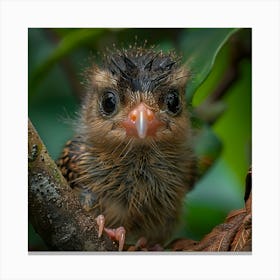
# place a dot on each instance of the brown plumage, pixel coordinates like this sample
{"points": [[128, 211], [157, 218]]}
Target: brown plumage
{"points": [[132, 159]]}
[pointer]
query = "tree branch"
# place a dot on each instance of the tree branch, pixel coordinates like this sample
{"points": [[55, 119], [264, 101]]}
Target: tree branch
{"points": [[53, 208]]}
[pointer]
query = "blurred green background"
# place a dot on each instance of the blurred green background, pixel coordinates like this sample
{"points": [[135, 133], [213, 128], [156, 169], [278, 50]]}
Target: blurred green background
{"points": [[219, 95]]}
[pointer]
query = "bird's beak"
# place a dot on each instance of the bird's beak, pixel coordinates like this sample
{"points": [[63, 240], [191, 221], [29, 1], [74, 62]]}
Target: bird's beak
{"points": [[141, 122]]}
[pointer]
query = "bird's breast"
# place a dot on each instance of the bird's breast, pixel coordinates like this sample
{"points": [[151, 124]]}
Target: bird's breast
{"points": [[145, 197]]}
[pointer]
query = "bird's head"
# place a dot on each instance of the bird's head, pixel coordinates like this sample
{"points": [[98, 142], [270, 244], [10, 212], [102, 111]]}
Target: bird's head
{"points": [[137, 94]]}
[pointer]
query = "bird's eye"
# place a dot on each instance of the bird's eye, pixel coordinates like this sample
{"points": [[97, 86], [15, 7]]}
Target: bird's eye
{"points": [[108, 104], [173, 102]]}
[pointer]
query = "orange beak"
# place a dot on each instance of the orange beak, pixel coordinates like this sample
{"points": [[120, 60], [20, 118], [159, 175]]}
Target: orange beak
{"points": [[141, 122]]}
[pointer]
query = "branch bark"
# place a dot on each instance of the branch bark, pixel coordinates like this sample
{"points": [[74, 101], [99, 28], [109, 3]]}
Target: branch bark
{"points": [[53, 208]]}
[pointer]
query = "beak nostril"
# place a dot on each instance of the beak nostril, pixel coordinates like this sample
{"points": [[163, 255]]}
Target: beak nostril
{"points": [[133, 117], [150, 115]]}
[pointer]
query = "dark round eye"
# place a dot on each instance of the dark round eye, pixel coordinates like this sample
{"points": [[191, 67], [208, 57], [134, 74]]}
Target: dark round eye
{"points": [[172, 102], [108, 104]]}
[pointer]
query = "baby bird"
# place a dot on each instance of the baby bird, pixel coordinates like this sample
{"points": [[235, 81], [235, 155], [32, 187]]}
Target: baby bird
{"points": [[131, 160]]}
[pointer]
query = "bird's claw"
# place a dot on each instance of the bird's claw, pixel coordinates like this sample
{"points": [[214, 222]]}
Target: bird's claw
{"points": [[117, 234], [142, 245], [100, 220]]}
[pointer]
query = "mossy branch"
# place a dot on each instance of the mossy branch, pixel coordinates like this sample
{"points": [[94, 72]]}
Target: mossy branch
{"points": [[53, 208]]}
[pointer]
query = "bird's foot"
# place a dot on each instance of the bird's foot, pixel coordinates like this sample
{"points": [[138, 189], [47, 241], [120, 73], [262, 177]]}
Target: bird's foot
{"points": [[142, 245], [117, 234]]}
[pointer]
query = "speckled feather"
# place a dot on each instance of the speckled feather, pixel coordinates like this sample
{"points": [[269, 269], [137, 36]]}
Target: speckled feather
{"points": [[135, 183]]}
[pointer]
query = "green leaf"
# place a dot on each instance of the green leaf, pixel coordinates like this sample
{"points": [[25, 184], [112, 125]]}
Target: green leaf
{"points": [[208, 148], [74, 39], [213, 197], [234, 128], [200, 48]]}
